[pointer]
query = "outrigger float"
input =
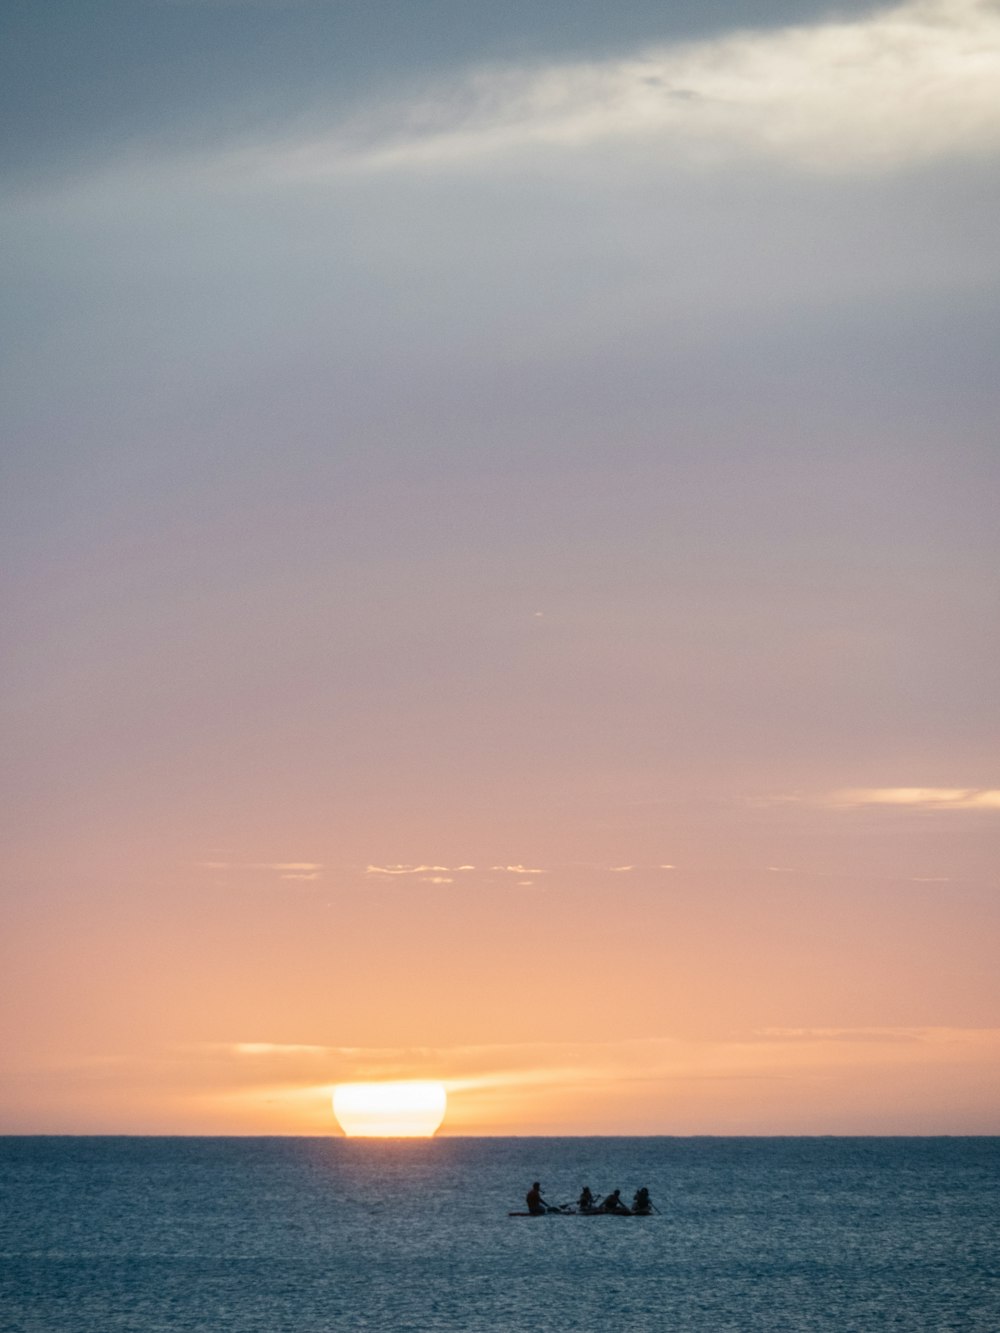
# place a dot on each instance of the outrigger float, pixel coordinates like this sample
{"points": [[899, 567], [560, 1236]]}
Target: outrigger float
{"points": [[586, 1212]]}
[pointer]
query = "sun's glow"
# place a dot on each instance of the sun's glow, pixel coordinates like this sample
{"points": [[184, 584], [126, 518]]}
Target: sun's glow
{"points": [[411, 1110]]}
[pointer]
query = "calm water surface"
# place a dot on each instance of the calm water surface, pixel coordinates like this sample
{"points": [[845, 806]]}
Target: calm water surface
{"points": [[140, 1235]]}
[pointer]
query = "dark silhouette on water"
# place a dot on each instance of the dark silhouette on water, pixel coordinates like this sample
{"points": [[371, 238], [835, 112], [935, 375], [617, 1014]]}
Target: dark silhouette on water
{"points": [[587, 1205], [536, 1204]]}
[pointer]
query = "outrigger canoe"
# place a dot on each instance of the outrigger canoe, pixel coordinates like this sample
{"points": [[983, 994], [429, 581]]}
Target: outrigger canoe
{"points": [[574, 1212]]}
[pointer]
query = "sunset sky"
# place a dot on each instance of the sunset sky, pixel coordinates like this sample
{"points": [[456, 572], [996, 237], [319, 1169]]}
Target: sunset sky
{"points": [[500, 520]]}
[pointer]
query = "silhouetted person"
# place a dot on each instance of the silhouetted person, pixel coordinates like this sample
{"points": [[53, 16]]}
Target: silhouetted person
{"points": [[642, 1204], [613, 1203], [586, 1202], [533, 1198]]}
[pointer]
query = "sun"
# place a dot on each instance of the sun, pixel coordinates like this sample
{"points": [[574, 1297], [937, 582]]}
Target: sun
{"points": [[411, 1110]]}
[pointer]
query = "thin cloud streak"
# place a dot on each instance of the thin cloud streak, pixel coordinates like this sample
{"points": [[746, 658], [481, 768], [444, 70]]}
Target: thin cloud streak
{"points": [[291, 867], [405, 870], [918, 798]]}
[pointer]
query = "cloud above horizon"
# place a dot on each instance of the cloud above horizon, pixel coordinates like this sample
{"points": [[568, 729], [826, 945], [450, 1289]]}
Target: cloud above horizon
{"points": [[895, 87], [924, 798]]}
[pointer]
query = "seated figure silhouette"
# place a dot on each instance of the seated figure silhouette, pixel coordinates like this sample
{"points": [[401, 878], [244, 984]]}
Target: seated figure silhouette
{"points": [[533, 1198]]}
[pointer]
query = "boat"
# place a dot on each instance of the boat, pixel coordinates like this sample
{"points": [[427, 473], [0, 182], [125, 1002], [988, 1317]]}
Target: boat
{"points": [[575, 1212]]}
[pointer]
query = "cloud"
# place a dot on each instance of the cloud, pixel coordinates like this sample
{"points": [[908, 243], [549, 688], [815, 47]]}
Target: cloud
{"points": [[305, 866], [405, 870], [907, 84], [442, 874], [258, 1048], [302, 872], [621, 870], [926, 798], [851, 1035]]}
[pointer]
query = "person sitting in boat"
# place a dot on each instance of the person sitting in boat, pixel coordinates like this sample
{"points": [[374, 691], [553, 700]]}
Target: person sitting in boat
{"points": [[533, 1198], [642, 1204], [586, 1202], [613, 1203]]}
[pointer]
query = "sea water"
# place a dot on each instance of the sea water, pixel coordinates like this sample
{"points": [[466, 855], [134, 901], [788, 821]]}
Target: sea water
{"points": [[140, 1235]]}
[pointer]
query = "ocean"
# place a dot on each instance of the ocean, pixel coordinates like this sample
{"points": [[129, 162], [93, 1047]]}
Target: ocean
{"points": [[271, 1235]]}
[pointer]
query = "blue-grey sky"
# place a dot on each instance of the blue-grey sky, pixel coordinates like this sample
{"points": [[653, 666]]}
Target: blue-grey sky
{"points": [[539, 435]]}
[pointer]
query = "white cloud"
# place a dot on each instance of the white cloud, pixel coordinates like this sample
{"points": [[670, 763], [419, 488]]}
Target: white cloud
{"points": [[405, 870], [910, 83], [927, 798]]}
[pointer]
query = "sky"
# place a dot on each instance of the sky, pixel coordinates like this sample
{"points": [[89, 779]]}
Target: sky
{"points": [[501, 564]]}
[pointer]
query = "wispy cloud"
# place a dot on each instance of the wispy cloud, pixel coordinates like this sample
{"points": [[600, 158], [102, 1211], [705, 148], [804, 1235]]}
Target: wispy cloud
{"points": [[304, 867], [406, 870], [626, 869], [904, 84], [273, 1048], [302, 872], [925, 798], [288, 865], [850, 1035]]}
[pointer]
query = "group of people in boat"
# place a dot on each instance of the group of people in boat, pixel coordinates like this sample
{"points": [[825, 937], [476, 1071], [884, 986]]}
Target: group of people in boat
{"points": [[642, 1204]]}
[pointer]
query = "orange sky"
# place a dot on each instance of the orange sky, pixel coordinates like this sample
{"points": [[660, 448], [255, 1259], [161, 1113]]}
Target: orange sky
{"points": [[664, 996]]}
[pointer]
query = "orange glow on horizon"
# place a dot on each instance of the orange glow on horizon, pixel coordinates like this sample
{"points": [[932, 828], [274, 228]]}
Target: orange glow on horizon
{"points": [[409, 1110]]}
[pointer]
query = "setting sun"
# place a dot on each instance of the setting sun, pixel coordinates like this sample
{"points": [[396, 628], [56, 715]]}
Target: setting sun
{"points": [[411, 1110]]}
